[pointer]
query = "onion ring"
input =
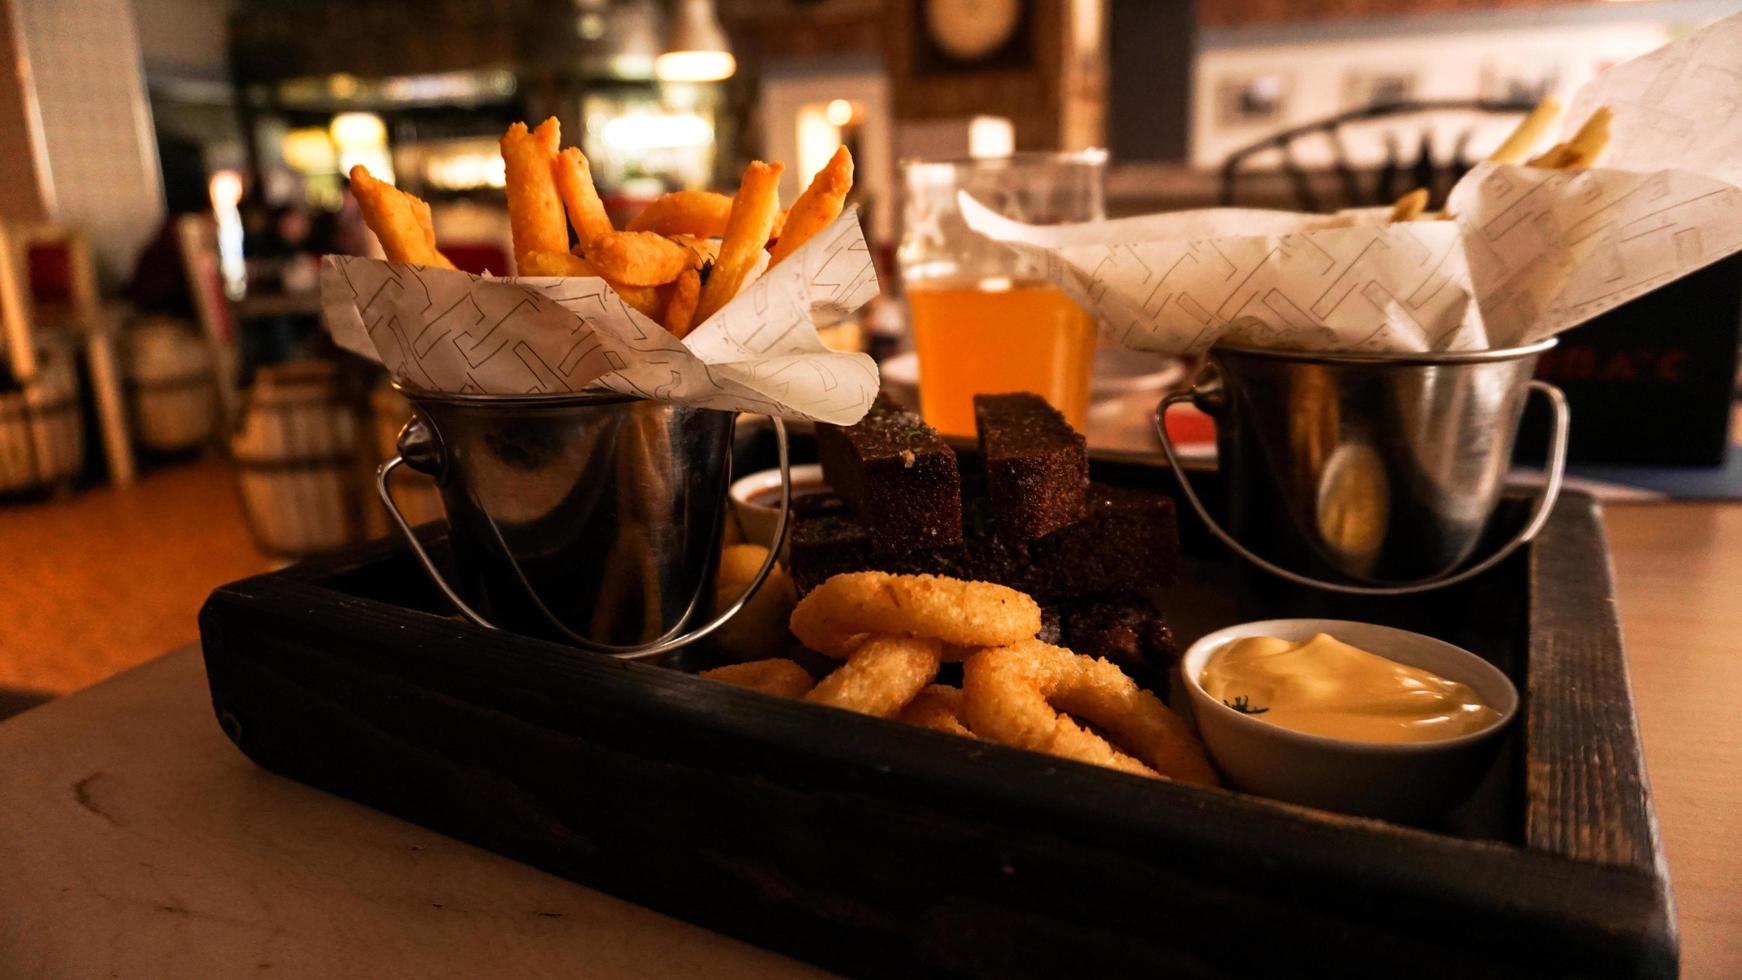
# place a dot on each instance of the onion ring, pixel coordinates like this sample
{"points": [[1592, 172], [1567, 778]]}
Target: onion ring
{"points": [[881, 676], [779, 677], [938, 708], [833, 617], [1018, 695]]}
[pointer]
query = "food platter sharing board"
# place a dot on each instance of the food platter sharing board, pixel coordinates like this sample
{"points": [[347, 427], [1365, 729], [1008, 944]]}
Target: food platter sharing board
{"points": [[882, 849]]}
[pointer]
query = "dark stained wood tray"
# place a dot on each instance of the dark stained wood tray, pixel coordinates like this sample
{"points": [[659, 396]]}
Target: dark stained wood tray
{"points": [[876, 849]]}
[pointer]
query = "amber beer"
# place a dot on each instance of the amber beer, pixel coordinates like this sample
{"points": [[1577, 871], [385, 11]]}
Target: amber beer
{"points": [[985, 321], [998, 335]]}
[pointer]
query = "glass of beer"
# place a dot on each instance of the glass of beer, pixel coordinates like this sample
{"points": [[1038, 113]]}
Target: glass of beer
{"points": [[984, 320]]}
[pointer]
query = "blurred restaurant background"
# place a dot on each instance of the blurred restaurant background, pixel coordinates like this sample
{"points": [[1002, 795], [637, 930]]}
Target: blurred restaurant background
{"points": [[173, 417]]}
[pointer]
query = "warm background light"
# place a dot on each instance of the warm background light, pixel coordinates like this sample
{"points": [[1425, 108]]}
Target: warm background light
{"points": [[696, 48], [694, 66]]}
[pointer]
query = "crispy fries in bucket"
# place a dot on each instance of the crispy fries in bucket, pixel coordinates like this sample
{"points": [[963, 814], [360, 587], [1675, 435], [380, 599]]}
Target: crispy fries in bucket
{"points": [[639, 258], [574, 184], [535, 213], [399, 220], [819, 205], [670, 264], [752, 222], [702, 214]]}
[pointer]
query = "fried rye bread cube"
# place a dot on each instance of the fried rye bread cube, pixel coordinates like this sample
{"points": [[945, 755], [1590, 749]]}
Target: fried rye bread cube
{"points": [[1129, 541], [1037, 466], [898, 476], [1125, 628]]}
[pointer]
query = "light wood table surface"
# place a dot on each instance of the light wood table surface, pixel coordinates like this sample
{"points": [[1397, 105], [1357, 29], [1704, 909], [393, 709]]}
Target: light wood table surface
{"points": [[135, 842]]}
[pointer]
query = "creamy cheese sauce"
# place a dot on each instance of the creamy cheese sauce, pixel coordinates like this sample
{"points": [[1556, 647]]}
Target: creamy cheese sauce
{"points": [[1327, 687]]}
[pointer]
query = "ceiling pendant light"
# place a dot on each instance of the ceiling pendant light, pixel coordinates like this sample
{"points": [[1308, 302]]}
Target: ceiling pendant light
{"points": [[696, 49]]}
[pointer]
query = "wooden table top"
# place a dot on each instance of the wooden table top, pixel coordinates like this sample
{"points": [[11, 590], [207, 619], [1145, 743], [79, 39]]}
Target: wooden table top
{"points": [[136, 842]]}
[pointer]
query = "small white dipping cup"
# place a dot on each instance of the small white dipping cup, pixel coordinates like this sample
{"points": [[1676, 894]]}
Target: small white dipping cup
{"points": [[1407, 782], [757, 519]]}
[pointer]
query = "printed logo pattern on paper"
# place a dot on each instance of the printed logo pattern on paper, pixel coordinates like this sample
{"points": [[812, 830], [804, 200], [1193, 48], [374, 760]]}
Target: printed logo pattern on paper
{"points": [[1529, 254], [443, 330]]}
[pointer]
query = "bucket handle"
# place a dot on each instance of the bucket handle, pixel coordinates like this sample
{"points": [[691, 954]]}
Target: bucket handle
{"points": [[664, 644], [1538, 517]]}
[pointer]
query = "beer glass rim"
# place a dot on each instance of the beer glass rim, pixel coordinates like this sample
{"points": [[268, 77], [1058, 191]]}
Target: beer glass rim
{"points": [[1095, 157]]}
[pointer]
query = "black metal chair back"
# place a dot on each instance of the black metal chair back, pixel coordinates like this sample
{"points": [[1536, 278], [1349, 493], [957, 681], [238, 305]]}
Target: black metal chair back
{"points": [[1394, 177]]}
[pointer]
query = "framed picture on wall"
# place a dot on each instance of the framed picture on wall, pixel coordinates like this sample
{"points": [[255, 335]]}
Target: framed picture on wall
{"points": [[955, 36]]}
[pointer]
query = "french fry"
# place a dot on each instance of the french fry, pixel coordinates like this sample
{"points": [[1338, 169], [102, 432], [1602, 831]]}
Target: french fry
{"points": [[1410, 206], [699, 213], [555, 264], [680, 310], [1517, 146], [747, 231], [1592, 138], [574, 183], [1552, 158], [645, 300], [535, 213], [425, 221], [398, 219], [639, 258], [820, 204], [702, 250], [1583, 149]]}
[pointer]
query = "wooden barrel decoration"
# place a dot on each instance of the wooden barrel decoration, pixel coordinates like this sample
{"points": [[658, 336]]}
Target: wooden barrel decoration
{"points": [[294, 450], [171, 384], [42, 431]]}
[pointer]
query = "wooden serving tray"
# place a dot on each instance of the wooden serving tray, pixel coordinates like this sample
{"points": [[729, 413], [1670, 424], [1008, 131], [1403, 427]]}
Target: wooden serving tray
{"points": [[877, 849]]}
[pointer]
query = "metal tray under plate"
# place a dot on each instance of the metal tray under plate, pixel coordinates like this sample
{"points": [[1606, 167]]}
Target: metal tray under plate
{"points": [[878, 849]]}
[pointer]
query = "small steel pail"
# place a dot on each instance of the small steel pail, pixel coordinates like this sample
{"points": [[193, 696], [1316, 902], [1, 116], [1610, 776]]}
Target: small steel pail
{"points": [[1373, 474], [589, 519]]}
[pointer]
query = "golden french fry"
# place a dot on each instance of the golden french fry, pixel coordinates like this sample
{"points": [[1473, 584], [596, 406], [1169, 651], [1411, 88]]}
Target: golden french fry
{"points": [[425, 222], [639, 258], [645, 300], [699, 213], [779, 223], [1583, 149], [747, 231], [1589, 142], [820, 204], [680, 309], [535, 213], [1410, 206], [398, 219], [702, 250], [574, 182], [1552, 158], [1517, 146], [555, 264]]}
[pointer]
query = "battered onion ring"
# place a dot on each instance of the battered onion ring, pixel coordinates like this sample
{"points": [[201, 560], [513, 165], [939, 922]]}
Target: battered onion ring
{"points": [[1015, 695], [881, 676], [833, 617], [938, 708], [780, 677]]}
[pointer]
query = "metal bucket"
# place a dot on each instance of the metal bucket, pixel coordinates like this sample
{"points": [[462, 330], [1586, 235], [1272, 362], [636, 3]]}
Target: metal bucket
{"points": [[1366, 473], [589, 519]]}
